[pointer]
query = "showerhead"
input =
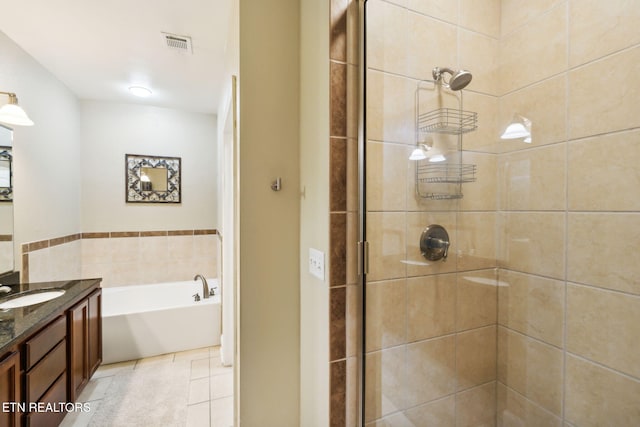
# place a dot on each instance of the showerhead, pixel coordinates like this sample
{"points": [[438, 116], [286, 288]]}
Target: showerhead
{"points": [[458, 80]]}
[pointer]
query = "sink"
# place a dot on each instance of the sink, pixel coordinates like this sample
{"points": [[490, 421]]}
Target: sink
{"points": [[23, 299]]}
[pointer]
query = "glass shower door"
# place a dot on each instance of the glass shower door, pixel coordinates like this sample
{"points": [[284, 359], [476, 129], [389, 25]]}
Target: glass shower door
{"points": [[430, 295], [531, 320]]}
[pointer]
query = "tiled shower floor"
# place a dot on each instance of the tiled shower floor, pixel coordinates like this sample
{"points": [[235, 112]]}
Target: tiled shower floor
{"points": [[185, 389]]}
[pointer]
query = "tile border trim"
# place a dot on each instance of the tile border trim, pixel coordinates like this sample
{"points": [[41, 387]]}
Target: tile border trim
{"points": [[48, 243]]}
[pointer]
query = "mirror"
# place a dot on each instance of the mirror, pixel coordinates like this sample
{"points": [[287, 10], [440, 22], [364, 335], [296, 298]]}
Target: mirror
{"points": [[152, 179], [6, 199], [6, 175]]}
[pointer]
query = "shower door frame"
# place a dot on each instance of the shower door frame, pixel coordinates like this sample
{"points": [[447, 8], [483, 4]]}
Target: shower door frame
{"points": [[363, 252]]}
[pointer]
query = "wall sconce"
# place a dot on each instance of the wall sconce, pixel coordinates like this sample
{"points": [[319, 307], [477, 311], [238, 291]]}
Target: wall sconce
{"points": [[520, 127], [12, 114], [424, 151], [437, 157], [420, 152]]}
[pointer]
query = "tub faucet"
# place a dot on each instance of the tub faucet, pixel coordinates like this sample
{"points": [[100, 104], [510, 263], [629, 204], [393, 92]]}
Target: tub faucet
{"points": [[205, 286]]}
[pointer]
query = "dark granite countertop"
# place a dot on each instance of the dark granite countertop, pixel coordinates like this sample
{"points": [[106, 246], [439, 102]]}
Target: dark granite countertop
{"points": [[17, 324]]}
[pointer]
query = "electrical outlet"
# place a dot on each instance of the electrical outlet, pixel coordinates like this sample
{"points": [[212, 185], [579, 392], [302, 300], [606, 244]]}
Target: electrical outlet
{"points": [[316, 263]]}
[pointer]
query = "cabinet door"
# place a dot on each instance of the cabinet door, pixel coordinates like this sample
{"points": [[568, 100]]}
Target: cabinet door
{"points": [[78, 336], [10, 389], [95, 331]]}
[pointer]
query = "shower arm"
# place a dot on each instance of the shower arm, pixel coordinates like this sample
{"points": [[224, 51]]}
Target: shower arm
{"points": [[438, 71]]}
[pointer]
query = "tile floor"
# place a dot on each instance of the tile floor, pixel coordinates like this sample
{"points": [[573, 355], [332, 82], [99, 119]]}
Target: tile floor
{"points": [[184, 389]]}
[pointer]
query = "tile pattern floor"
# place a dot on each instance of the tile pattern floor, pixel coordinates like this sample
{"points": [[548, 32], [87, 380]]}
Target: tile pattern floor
{"points": [[184, 389]]}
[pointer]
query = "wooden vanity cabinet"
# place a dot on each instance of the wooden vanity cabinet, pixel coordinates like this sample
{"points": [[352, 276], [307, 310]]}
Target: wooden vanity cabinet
{"points": [[10, 388], [52, 365], [84, 332]]}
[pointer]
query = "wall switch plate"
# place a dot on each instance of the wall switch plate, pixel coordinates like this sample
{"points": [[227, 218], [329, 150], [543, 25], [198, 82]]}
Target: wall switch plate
{"points": [[316, 263]]}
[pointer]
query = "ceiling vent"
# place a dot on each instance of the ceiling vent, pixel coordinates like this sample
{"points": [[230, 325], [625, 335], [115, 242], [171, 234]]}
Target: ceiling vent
{"points": [[181, 43]]}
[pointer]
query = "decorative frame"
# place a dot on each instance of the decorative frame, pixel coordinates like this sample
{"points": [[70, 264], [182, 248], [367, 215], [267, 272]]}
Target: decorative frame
{"points": [[6, 193], [134, 192]]}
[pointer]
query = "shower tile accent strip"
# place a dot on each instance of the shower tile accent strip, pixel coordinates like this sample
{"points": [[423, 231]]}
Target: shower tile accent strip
{"points": [[25, 267], [338, 387], [342, 260], [59, 260], [337, 319], [338, 244], [338, 170]]}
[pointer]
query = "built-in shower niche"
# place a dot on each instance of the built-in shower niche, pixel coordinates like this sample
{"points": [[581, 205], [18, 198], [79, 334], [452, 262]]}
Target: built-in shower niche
{"points": [[439, 126]]}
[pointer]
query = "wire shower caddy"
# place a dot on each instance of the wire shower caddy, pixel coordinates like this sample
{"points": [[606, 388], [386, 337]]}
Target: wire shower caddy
{"points": [[442, 180]]}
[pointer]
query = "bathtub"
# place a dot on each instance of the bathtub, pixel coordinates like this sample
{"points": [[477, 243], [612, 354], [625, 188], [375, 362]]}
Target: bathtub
{"points": [[149, 320]]}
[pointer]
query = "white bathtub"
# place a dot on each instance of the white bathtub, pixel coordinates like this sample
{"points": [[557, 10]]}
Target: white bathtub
{"points": [[148, 320]]}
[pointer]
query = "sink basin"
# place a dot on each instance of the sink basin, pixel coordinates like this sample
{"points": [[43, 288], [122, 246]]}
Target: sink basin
{"points": [[26, 298]]}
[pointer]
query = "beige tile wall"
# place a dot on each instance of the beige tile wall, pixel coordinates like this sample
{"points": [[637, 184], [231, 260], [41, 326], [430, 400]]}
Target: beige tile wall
{"points": [[129, 258], [569, 292], [431, 336], [54, 259], [563, 211]]}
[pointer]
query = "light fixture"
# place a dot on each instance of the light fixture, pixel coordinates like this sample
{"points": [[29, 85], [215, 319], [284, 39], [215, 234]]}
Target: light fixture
{"points": [[140, 91], [520, 127], [12, 114], [437, 157], [420, 152], [424, 151]]}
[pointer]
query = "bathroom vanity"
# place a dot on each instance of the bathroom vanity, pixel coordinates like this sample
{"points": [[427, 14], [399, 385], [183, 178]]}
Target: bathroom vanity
{"points": [[48, 352]]}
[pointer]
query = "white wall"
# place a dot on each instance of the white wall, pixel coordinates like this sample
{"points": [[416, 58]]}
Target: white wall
{"points": [[46, 156], [269, 221], [314, 211], [111, 130], [69, 167]]}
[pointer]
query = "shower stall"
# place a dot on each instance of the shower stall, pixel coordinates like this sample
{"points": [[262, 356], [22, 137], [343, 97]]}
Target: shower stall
{"points": [[500, 203]]}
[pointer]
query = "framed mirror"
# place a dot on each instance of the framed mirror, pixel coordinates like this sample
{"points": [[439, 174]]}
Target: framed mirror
{"points": [[152, 179], [6, 174], [6, 199]]}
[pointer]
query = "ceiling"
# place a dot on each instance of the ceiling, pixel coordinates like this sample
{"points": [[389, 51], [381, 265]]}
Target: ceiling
{"points": [[99, 48]]}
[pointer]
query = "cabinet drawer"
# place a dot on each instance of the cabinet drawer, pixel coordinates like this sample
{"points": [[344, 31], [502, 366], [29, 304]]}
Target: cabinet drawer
{"points": [[40, 378], [44, 341], [56, 394]]}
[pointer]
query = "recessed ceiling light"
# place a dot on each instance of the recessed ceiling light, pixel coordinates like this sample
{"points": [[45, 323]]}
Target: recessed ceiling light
{"points": [[140, 91]]}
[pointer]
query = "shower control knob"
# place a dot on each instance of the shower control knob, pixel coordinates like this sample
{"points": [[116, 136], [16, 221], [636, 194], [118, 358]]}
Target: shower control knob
{"points": [[434, 243]]}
